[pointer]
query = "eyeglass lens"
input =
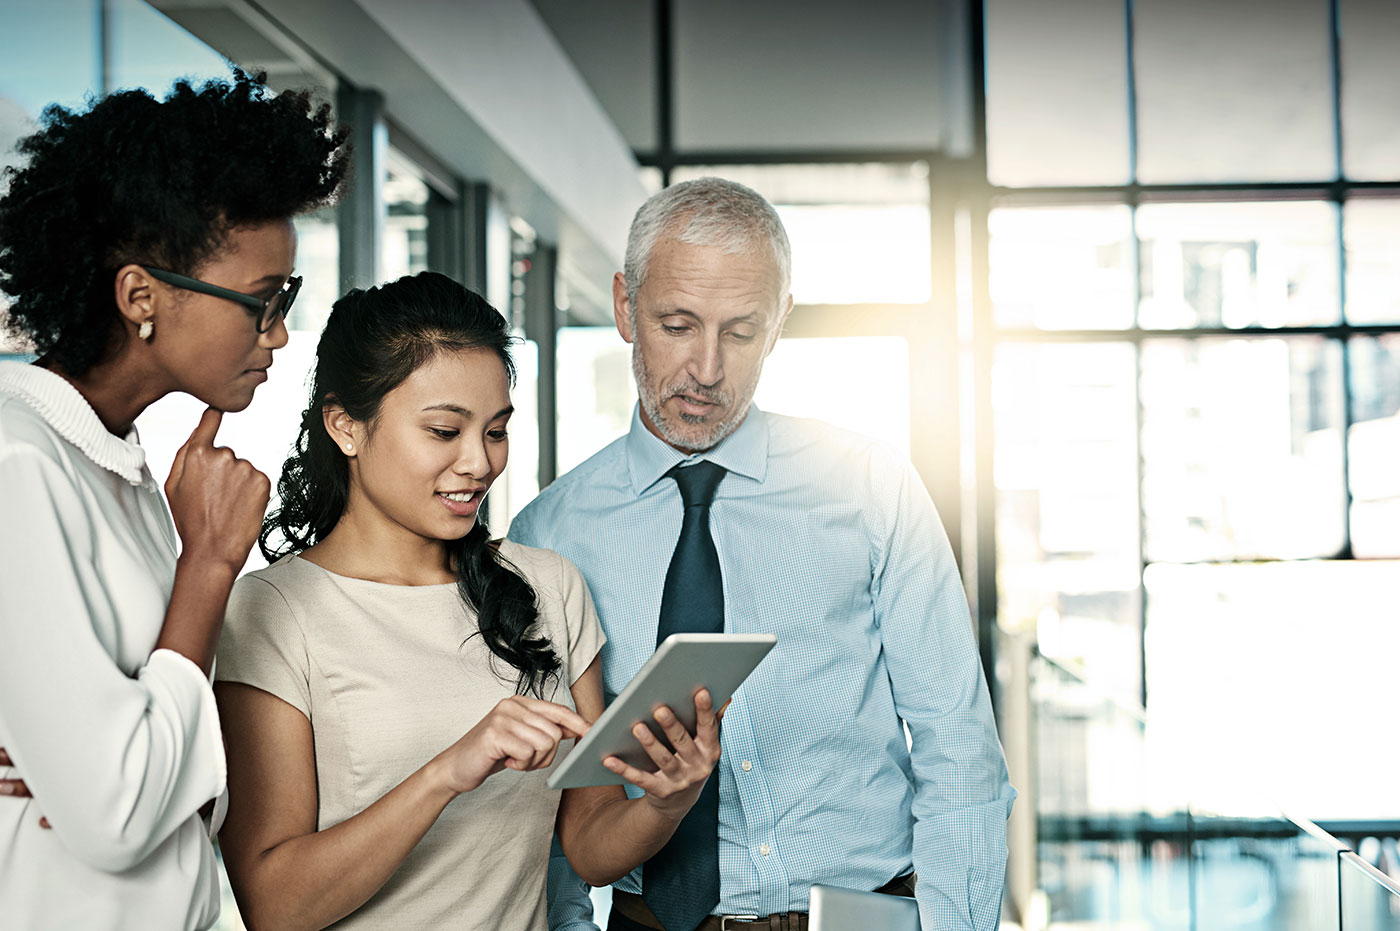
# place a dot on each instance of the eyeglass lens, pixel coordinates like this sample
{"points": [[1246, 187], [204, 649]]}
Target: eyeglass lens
{"points": [[280, 305]]}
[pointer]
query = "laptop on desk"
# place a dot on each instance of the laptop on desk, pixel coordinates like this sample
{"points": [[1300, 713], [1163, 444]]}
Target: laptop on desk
{"points": [[833, 909]]}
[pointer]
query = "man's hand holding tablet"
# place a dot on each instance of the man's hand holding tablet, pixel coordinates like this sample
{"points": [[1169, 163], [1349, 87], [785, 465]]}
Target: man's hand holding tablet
{"points": [[670, 699]]}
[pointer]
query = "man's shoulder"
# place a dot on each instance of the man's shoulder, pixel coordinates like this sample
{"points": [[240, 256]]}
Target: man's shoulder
{"points": [[806, 439]]}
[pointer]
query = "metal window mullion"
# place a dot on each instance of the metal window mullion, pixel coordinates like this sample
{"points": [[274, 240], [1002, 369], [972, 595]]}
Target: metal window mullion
{"points": [[1129, 37], [542, 327], [665, 89], [1335, 47], [1345, 340], [1135, 245], [361, 212], [983, 353]]}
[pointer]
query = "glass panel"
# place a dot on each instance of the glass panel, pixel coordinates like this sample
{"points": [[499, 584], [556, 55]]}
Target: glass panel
{"points": [[1109, 796], [869, 396], [858, 255], [150, 51], [1108, 855], [1271, 674], [1373, 260], [1373, 445], [318, 264], [1067, 526], [1236, 91], [1060, 268], [1238, 265], [1253, 868], [1370, 74], [596, 391], [405, 248], [1057, 92], [860, 233], [1241, 445], [1370, 898]]}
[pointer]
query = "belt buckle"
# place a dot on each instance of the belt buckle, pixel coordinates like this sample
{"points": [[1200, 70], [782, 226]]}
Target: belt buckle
{"points": [[724, 921]]}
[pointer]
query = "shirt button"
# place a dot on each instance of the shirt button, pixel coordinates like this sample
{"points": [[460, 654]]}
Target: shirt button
{"points": [[763, 849], [746, 766]]}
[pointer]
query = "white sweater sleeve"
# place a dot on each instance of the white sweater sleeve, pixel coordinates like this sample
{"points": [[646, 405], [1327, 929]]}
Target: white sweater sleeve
{"points": [[116, 763]]}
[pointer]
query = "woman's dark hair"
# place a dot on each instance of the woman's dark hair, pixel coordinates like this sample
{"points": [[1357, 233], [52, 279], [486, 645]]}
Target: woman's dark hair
{"points": [[137, 180], [373, 341]]}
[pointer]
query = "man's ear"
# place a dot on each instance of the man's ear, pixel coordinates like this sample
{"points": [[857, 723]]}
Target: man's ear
{"points": [[134, 291], [345, 431], [777, 330], [622, 308]]}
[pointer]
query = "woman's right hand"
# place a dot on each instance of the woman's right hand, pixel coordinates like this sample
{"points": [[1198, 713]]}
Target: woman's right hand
{"points": [[216, 499], [519, 733]]}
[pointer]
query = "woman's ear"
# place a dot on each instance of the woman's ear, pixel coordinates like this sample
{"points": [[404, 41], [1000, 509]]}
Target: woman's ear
{"points": [[135, 294], [343, 429]]}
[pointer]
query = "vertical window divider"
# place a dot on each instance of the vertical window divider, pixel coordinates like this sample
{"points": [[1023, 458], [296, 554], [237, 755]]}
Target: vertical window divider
{"points": [[1135, 259], [1340, 192]]}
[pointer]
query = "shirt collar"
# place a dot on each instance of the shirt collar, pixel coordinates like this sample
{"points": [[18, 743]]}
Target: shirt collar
{"points": [[744, 452], [70, 415]]}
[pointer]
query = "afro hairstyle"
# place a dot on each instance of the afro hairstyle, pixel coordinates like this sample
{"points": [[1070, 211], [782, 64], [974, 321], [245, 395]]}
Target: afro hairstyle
{"points": [[133, 179]]}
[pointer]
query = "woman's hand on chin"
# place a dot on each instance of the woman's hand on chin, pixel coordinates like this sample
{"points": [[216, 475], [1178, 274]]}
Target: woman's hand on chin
{"points": [[681, 774], [519, 733]]}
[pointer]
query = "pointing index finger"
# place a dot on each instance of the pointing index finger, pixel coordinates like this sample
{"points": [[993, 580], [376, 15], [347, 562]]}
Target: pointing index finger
{"points": [[207, 428], [573, 723]]}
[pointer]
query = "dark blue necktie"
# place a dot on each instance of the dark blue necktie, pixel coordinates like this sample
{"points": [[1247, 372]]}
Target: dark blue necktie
{"points": [[681, 882]]}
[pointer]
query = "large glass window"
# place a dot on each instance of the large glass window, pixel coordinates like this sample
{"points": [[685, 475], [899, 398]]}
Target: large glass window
{"points": [[1237, 91], [859, 232], [405, 247], [1238, 265], [1210, 457], [1067, 527], [1062, 268], [1056, 79]]}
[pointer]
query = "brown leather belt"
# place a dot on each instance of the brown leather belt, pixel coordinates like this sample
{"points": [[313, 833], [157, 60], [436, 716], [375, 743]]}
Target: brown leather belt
{"points": [[634, 908]]}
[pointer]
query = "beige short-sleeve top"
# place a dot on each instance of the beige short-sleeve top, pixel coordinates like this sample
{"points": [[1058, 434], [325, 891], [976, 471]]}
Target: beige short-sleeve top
{"points": [[389, 676]]}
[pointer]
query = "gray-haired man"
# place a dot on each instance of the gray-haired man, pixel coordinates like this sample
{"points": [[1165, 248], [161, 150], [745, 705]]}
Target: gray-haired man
{"points": [[793, 527]]}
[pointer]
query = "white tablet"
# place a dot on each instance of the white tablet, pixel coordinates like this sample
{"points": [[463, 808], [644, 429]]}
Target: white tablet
{"points": [[833, 909], [680, 667]]}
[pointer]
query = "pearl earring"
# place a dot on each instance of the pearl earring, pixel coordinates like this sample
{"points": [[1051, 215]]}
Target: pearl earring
{"points": [[348, 447], [146, 329]]}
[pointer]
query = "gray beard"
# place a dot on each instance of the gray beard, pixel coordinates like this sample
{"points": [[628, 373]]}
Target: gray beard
{"points": [[651, 404]]}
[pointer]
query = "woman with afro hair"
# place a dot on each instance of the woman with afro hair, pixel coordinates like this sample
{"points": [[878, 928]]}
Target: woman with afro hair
{"points": [[146, 247]]}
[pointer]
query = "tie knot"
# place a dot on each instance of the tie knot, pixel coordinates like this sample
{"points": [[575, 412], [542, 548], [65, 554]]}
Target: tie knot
{"points": [[697, 482]]}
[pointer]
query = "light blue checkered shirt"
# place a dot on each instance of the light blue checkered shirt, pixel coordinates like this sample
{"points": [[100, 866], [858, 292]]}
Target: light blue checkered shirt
{"points": [[829, 540]]}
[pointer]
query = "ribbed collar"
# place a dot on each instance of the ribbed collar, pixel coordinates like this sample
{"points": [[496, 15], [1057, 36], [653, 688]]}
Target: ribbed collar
{"points": [[743, 452], [72, 417]]}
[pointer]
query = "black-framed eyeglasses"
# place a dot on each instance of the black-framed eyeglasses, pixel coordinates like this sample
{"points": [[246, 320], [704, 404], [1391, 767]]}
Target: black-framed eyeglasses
{"points": [[267, 310]]}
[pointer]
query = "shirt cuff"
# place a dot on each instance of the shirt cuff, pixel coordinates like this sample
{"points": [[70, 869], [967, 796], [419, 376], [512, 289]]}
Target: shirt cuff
{"points": [[190, 691]]}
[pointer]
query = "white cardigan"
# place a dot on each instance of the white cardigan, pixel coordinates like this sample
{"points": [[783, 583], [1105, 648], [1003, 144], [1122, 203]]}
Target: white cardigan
{"points": [[120, 746]]}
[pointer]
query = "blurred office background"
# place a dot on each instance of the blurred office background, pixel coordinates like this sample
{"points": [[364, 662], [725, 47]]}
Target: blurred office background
{"points": [[1122, 277]]}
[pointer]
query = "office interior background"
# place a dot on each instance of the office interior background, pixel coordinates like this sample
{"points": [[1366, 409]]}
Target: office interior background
{"points": [[1121, 276]]}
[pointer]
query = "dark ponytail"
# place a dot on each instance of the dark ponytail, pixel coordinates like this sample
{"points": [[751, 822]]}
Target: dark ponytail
{"points": [[374, 340]]}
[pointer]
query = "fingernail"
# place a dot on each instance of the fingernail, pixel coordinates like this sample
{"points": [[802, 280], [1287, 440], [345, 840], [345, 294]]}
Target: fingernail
{"points": [[663, 714], [639, 730]]}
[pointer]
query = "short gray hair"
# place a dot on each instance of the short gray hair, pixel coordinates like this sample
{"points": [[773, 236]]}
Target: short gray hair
{"points": [[706, 212]]}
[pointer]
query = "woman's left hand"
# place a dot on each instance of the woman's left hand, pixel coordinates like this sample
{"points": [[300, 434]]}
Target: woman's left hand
{"points": [[680, 775], [16, 788]]}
